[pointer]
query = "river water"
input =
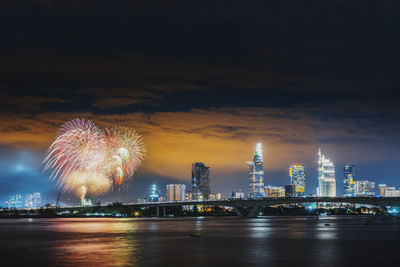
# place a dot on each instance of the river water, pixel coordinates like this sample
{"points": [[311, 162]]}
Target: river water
{"points": [[267, 241]]}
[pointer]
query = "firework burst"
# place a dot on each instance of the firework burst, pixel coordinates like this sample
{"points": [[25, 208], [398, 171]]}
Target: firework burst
{"points": [[88, 160]]}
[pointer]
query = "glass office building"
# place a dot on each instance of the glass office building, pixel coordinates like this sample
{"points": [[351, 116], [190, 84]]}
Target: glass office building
{"points": [[326, 177], [256, 175]]}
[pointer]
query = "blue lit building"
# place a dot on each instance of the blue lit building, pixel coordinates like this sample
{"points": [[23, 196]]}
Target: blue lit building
{"points": [[256, 176], [154, 193], [28, 201], [349, 180]]}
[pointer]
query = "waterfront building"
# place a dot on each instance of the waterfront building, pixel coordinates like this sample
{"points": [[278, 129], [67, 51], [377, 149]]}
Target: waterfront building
{"points": [[16, 201], [217, 196], [326, 177], [200, 181], [28, 201], [154, 193], [298, 179], [33, 201], [290, 190], [364, 188], [349, 180], [388, 191], [274, 191], [175, 192], [237, 194], [256, 176]]}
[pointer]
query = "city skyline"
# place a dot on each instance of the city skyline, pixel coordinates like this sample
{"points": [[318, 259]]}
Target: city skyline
{"points": [[196, 100], [201, 178]]}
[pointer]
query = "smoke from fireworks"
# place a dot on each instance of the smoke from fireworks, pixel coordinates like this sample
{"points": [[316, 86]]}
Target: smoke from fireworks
{"points": [[88, 160]]}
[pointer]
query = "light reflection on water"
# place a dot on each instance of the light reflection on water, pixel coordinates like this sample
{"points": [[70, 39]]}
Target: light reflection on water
{"points": [[105, 243], [283, 241]]}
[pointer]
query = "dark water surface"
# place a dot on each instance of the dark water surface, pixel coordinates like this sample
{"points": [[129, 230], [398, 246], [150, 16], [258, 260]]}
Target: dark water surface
{"points": [[267, 241]]}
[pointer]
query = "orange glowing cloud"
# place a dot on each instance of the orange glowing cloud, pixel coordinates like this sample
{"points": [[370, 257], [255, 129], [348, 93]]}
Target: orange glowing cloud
{"points": [[222, 138]]}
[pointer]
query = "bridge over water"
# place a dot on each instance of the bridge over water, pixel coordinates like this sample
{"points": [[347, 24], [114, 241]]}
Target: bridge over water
{"points": [[250, 207]]}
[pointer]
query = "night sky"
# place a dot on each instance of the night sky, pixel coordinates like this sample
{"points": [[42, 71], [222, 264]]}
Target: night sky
{"points": [[203, 81]]}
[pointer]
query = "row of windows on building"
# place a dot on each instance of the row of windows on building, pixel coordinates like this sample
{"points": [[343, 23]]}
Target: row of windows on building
{"points": [[28, 201]]}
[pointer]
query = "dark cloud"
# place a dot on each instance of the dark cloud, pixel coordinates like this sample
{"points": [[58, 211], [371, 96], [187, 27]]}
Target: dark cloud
{"points": [[205, 80]]}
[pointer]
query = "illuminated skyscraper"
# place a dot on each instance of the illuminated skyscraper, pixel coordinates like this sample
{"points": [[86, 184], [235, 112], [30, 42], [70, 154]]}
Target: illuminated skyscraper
{"points": [[200, 181], [326, 177], [349, 180], [364, 189], [175, 192], [256, 177], [154, 193], [298, 179]]}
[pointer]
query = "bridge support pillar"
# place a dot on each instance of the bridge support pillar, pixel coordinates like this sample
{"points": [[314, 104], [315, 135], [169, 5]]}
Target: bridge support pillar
{"points": [[250, 212], [253, 213], [163, 211], [158, 211], [240, 211]]}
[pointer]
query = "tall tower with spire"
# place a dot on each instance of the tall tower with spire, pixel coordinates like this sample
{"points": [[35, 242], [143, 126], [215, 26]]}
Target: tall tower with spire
{"points": [[326, 176], [256, 176]]}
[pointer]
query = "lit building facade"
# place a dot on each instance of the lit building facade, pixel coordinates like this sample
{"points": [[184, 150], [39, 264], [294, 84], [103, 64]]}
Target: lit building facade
{"points": [[16, 202], [388, 191], [33, 201], [154, 193], [256, 177], [298, 178], [349, 180], [28, 201], [326, 177], [237, 194], [175, 192], [364, 189], [217, 196], [200, 181], [274, 191]]}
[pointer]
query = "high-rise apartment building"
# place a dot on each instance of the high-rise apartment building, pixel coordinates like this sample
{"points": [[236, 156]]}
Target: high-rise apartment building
{"points": [[256, 176], [364, 189], [298, 179], [349, 180], [200, 181], [175, 192], [326, 177]]}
